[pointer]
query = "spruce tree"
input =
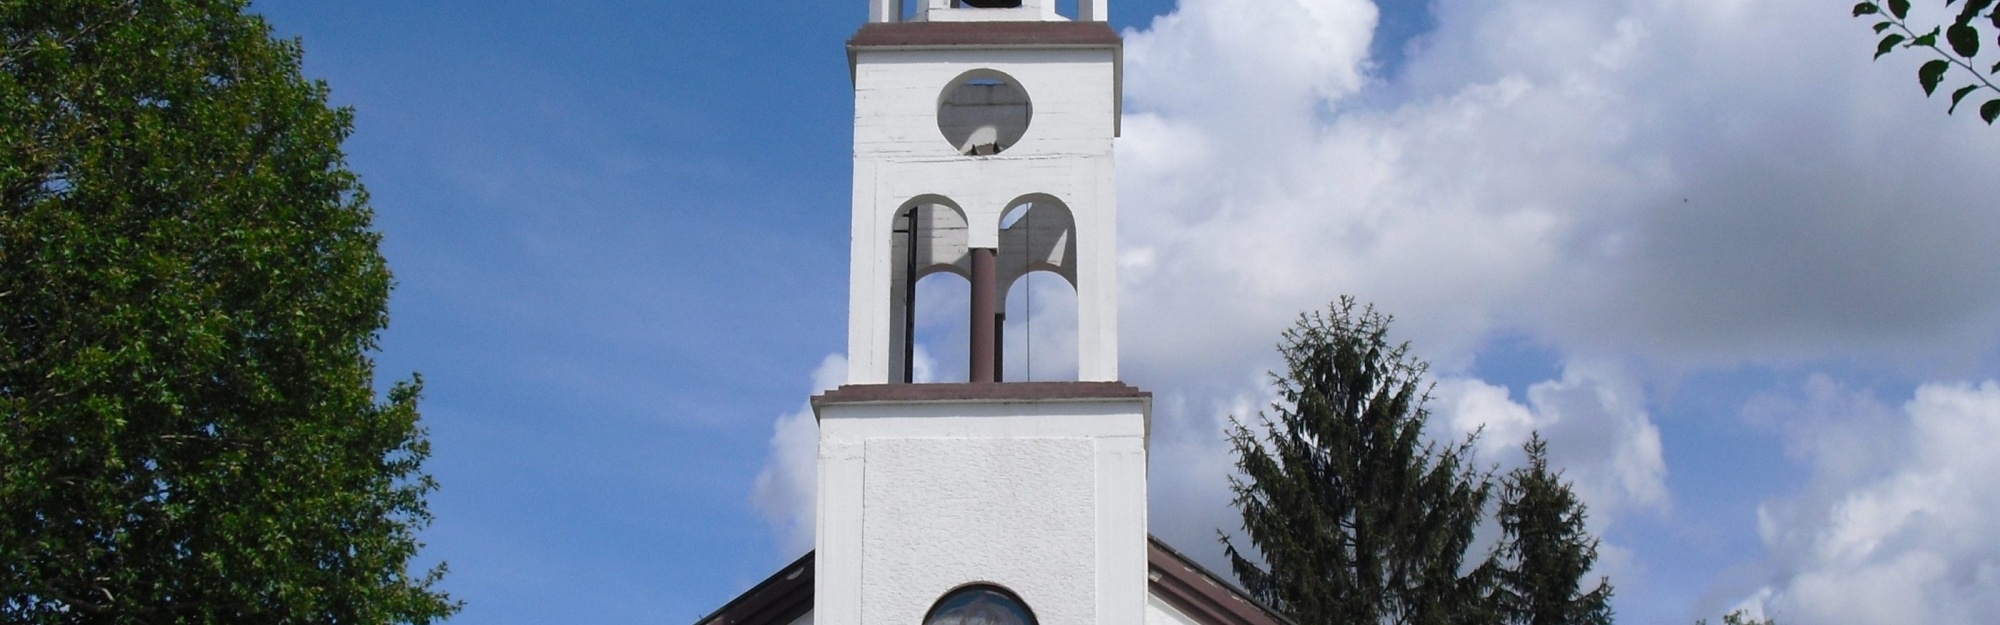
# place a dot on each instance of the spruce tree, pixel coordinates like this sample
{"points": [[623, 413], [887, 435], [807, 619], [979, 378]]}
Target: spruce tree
{"points": [[190, 293], [1351, 516], [1546, 549]]}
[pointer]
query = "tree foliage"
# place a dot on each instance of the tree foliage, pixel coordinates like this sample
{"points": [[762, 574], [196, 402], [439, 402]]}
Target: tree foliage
{"points": [[1355, 518], [1546, 548], [189, 296], [1974, 30]]}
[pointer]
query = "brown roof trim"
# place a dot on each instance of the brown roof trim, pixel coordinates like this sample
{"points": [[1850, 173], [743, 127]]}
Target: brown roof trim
{"points": [[1201, 594], [979, 391], [778, 600], [985, 34]]}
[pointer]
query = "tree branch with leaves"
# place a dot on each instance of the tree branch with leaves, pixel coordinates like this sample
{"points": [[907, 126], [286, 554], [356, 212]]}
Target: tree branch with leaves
{"points": [[1963, 44]]}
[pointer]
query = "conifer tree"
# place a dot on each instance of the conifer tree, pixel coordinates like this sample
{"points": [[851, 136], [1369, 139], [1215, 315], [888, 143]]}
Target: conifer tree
{"points": [[190, 293], [1351, 516], [1546, 550]]}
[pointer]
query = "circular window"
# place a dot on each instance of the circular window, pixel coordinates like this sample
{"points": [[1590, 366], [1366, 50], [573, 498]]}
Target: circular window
{"points": [[984, 112], [980, 605]]}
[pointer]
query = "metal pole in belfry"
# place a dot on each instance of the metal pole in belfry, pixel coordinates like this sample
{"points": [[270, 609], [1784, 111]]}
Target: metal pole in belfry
{"points": [[910, 300], [985, 340]]}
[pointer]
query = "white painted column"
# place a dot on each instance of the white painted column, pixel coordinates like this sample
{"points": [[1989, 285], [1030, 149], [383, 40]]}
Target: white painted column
{"points": [[880, 11], [1093, 10]]}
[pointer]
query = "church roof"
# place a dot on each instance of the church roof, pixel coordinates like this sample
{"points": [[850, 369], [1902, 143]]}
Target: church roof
{"points": [[1171, 576]]}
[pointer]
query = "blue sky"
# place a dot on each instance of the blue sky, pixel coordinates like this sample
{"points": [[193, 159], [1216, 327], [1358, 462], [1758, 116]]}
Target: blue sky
{"points": [[1738, 274]]}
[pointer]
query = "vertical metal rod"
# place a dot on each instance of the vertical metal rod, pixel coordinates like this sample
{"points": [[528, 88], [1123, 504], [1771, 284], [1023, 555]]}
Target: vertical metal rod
{"points": [[910, 301], [1028, 342], [1000, 346], [984, 313]]}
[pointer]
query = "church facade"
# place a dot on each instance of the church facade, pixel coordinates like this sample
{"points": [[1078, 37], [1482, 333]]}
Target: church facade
{"points": [[983, 147]]}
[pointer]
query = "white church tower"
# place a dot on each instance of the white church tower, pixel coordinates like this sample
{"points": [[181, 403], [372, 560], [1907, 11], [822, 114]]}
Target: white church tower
{"points": [[983, 137]]}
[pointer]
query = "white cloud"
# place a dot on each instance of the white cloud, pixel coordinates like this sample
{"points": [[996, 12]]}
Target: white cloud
{"points": [[1595, 421], [787, 488], [1682, 182], [1648, 187], [1914, 543]]}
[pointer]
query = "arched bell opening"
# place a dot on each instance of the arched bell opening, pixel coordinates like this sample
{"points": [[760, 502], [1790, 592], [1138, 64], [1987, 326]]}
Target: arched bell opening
{"points": [[1038, 339], [927, 238], [942, 336], [1037, 272]]}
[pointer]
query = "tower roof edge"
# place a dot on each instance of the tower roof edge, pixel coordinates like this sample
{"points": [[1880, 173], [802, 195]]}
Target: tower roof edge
{"points": [[985, 34]]}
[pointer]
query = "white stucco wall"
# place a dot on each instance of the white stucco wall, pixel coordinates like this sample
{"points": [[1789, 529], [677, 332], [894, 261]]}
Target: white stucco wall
{"points": [[1158, 612], [1044, 498], [901, 156]]}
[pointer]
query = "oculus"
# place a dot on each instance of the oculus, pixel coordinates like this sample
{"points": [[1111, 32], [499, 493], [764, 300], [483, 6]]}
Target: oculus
{"points": [[984, 112]]}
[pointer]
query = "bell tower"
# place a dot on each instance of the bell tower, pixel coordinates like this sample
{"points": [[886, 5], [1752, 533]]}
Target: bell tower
{"points": [[967, 118], [983, 147]]}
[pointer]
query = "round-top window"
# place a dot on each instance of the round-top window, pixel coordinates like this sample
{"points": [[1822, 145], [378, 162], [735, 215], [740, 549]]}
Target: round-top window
{"points": [[980, 605], [984, 112]]}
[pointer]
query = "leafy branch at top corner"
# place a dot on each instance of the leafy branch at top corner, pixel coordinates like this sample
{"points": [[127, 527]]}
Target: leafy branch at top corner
{"points": [[1963, 38]]}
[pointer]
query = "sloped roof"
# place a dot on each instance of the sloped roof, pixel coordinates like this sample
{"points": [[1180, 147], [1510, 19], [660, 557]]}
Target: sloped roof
{"points": [[1171, 576], [1200, 594]]}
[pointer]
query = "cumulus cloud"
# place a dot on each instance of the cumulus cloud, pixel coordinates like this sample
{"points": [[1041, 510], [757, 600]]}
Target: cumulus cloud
{"points": [[1678, 181], [787, 488], [1595, 419], [1648, 187], [1911, 543]]}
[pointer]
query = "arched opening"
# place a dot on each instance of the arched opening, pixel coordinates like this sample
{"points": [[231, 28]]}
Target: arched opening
{"points": [[928, 238], [939, 352], [984, 112], [1037, 269], [1040, 332]]}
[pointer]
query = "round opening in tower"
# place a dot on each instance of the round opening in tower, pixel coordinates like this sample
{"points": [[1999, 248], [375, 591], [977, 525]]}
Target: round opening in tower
{"points": [[984, 112]]}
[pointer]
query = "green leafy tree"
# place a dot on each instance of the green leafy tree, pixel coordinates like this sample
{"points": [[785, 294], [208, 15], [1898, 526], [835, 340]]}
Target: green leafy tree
{"points": [[1352, 516], [189, 296], [1546, 549], [1976, 24]]}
